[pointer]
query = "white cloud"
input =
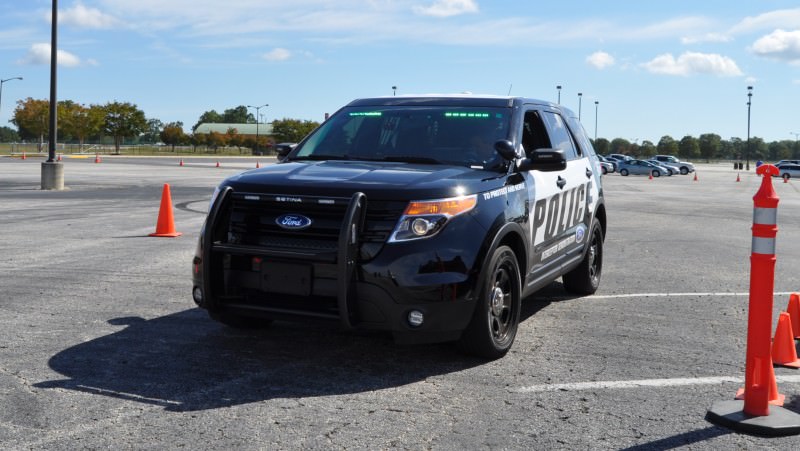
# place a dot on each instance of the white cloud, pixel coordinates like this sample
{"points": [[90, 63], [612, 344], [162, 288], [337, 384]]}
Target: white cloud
{"points": [[781, 45], [708, 37], [83, 17], [600, 60], [277, 54], [782, 18], [447, 8], [40, 54], [690, 63]]}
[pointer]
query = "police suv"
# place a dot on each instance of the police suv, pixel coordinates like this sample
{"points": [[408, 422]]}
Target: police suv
{"points": [[430, 217]]}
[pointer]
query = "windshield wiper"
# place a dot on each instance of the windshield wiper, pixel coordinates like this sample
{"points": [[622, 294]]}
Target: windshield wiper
{"points": [[420, 160]]}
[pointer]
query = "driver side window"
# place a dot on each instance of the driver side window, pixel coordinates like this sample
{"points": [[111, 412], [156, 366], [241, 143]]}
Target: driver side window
{"points": [[534, 133]]}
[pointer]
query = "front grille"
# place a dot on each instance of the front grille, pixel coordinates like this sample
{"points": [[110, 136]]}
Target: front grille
{"points": [[253, 222]]}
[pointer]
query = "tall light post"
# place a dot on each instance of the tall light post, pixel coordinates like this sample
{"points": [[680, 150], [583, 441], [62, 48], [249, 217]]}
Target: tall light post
{"points": [[596, 104], [580, 97], [749, 101], [258, 108], [394, 90], [558, 88], [52, 170], [1, 87]]}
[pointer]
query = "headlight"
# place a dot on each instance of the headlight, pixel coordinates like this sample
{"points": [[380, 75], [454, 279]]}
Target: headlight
{"points": [[424, 219]]}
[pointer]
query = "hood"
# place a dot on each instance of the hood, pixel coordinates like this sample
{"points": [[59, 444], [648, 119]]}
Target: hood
{"points": [[382, 180]]}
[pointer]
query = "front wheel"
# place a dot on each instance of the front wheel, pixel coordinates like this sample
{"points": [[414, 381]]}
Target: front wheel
{"points": [[656, 173], [494, 323], [684, 170], [585, 279], [623, 172]]}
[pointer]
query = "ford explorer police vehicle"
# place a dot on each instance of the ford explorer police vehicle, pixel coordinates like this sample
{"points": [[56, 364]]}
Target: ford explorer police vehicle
{"points": [[430, 217]]}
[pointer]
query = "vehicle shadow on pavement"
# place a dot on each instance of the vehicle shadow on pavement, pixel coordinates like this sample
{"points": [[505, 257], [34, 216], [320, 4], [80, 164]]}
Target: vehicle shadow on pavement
{"points": [[187, 362], [540, 300]]}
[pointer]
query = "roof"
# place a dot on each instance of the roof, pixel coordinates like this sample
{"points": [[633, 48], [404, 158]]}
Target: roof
{"points": [[242, 129]]}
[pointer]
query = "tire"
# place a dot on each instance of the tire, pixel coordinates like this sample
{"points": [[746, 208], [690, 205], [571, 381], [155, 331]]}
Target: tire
{"points": [[656, 173], [603, 170], [623, 172], [684, 170], [585, 279], [786, 176], [494, 323], [240, 322]]}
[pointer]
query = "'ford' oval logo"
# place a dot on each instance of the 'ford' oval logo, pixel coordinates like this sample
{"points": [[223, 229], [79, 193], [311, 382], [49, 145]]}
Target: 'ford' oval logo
{"points": [[293, 221]]}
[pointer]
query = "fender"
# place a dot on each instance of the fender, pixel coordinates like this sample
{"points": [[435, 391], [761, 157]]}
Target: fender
{"points": [[492, 242]]}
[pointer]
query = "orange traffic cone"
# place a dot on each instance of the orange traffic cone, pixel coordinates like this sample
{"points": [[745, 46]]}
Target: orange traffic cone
{"points": [[651, 175], [695, 176], [217, 163], [166, 223], [58, 158], [785, 179], [97, 158], [23, 156], [181, 162], [257, 165], [770, 386], [784, 352], [737, 177], [793, 309]]}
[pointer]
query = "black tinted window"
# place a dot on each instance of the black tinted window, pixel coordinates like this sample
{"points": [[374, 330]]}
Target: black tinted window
{"points": [[560, 137]]}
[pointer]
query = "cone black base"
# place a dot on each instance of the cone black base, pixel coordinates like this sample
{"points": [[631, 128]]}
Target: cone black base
{"points": [[779, 423]]}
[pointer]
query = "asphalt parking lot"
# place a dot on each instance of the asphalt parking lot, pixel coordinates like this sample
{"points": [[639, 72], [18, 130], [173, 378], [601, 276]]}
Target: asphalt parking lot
{"points": [[101, 346]]}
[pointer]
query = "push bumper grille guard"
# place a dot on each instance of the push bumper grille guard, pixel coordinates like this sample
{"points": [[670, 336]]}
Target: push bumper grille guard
{"points": [[346, 255]]}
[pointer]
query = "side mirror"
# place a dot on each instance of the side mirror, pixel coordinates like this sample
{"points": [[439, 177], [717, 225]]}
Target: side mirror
{"points": [[546, 160], [505, 149]]}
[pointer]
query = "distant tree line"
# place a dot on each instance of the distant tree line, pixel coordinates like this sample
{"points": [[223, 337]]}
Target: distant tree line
{"points": [[124, 122], [708, 146]]}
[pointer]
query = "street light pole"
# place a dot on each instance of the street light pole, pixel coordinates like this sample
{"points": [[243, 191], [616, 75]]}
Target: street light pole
{"points": [[749, 101], [1, 87], [394, 90], [580, 97], [258, 108], [596, 103], [558, 88]]}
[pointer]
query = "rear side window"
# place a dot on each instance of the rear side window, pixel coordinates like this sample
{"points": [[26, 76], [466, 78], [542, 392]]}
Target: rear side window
{"points": [[560, 136]]}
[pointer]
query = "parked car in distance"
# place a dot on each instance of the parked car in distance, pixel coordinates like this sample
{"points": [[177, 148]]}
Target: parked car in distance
{"points": [[787, 171], [612, 163], [619, 157], [642, 167], [668, 160], [787, 162]]}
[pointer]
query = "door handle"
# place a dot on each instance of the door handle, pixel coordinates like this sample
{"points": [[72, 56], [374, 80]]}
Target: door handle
{"points": [[561, 182]]}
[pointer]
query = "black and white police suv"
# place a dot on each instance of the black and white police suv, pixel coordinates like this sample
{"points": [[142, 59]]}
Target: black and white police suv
{"points": [[430, 217]]}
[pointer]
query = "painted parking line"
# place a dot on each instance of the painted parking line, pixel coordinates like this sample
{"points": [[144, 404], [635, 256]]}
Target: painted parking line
{"points": [[609, 385], [664, 295]]}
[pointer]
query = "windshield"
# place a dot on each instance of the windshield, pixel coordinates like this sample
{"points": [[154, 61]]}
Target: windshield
{"points": [[427, 135]]}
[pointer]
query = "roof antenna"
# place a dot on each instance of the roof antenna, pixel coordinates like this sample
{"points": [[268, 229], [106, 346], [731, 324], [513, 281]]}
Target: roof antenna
{"points": [[509, 88]]}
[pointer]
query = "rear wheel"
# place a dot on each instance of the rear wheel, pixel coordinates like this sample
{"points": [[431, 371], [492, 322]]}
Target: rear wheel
{"points": [[585, 279], [656, 173], [494, 323], [623, 172], [684, 170], [786, 176]]}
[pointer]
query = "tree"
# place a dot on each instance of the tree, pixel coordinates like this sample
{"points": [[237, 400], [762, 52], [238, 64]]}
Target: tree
{"points": [[667, 146], [81, 122], [620, 145], [216, 140], [238, 115], [173, 134], [197, 139], [710, 145], [152, 132], [8, 135], [292, 130], [688, 147], [647, 149], [123, 120], [601, 146], [209, 117], [32, 118]]}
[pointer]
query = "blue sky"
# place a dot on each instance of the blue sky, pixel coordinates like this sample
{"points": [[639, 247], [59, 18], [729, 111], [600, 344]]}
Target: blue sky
{"points": [[679, 67]]}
